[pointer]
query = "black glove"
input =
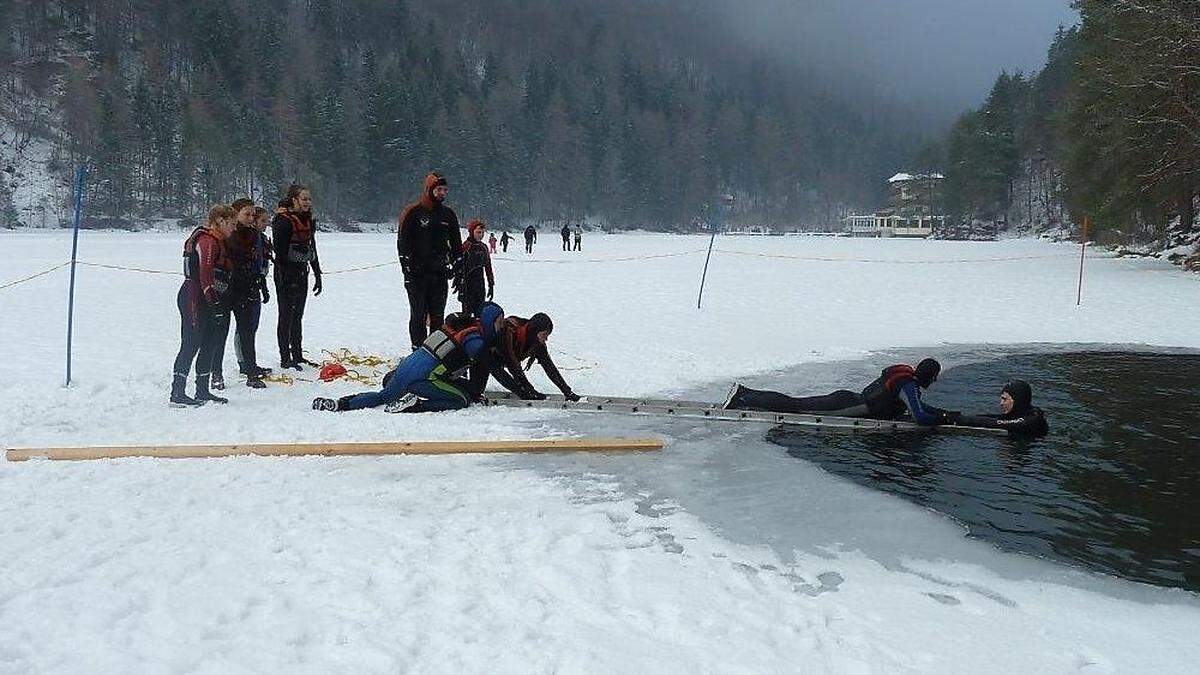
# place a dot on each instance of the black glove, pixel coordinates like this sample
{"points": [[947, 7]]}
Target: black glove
{"points": [[266, 294], [949, 417], [571, 396], [489, 295], [317, 285], [532, 395]]}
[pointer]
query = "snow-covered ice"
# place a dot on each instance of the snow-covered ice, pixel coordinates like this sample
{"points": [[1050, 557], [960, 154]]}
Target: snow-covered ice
{"points": [[570, 563]]}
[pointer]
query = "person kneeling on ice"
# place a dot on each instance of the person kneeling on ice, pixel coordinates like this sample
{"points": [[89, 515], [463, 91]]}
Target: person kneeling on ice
{"points": [[895, 392], [1017, 415], [522, 339], [429, 379]]}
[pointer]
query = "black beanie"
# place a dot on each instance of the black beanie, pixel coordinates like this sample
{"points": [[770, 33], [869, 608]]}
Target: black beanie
{"points": [[1022, 395], [927, 372]]}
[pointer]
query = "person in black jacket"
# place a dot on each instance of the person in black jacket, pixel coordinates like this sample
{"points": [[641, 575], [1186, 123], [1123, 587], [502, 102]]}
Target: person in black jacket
{"points": [[294, 232], [1017, 415], [504, 239], [530, 238], [474, 269], [428, 243], [566, 236]]}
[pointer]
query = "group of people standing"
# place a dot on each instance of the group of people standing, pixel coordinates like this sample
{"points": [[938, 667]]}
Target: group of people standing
{"points": [[225, 265]]}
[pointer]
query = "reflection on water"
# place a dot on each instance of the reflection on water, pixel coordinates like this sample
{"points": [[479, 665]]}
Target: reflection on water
{"points": [[1114, 487]]}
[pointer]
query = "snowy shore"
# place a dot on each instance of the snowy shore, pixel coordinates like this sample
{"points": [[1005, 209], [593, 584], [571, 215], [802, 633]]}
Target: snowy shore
{"points": [[514, 564]]}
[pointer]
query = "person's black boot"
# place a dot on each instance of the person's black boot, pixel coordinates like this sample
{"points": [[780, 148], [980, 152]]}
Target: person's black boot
{"points": [[202, 392], [301, 360], [255, 382], [179, 397], [260, 370], [326, 404], [217, 382]]}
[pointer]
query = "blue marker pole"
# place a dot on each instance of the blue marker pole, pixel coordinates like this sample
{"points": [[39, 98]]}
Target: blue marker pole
{"points": [[80, 174]]}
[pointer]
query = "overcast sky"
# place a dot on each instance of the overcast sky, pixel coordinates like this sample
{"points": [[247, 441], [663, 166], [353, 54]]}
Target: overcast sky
{"points": [[947, 52]]}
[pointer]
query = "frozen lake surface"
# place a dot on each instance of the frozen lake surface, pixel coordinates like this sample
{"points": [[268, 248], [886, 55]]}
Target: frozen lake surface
{"points": [[722, 553]]}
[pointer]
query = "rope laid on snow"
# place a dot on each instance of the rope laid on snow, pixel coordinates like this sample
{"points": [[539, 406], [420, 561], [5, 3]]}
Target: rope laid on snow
{"points": [[31, 277], [785, 256], [652, 256]]}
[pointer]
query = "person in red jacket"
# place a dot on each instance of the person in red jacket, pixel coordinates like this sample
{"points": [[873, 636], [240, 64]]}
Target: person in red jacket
{"points": [[202, 305]]}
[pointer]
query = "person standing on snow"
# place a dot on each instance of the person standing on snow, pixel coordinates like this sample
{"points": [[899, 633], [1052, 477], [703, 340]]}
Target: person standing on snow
{"points": [[492, 243], [566, 236], [429, 244], [475, 265], [530, 238], [295, 243], [429, 379], [578, 237], [247, 248], [202, 305], [504, 239]]}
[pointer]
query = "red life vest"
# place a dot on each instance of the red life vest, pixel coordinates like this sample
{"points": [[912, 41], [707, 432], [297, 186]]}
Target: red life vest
{"points": [[191, 260], [300, 248], [882, 395]]}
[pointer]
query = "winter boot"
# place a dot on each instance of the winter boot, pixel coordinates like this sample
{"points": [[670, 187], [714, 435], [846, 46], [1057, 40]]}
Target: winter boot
{"points": [[408, 401], [179, 397], [330, 405], [300, 360], [202, 392], [217, 383], [255, 382], [260, 371]]}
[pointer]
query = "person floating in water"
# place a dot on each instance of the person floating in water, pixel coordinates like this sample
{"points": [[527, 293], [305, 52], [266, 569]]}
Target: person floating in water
{"points": [[1017, 415], [894, 393]]}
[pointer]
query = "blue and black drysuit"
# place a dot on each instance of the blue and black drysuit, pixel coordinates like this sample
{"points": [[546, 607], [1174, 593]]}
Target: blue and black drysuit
{"points": [[432, 372], [894, 393]]}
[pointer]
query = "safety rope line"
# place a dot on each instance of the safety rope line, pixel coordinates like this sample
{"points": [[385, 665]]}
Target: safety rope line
{"points": [[555, 261], [127, 269], [785, 256], [31, 277]]}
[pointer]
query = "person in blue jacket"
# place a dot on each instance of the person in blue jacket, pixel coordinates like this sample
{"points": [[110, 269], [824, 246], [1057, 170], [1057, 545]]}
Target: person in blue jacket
{"points": [[896, 393], [430, 379]]}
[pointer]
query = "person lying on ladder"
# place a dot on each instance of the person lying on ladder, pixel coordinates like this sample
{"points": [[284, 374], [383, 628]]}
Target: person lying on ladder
{"points": [[890, 396], [430, 378], [520, 340]]}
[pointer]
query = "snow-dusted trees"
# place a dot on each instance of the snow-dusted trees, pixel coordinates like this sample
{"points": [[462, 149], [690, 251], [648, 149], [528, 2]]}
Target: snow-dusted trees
{"points": [[1133, 131]]}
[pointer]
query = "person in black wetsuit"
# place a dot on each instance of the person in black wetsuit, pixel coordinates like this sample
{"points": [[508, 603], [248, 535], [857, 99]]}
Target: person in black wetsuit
{"points": [[504, 239], [1017, 415], [294, 233], [566, 236], [247, 248], [475, 267], [896, 392], [520, 340], [429, 244]]}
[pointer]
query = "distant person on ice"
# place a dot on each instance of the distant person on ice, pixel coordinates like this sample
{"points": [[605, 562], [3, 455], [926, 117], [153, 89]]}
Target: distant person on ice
{"points": [[247, 248], [430, 378], [530, 238], [202, 305], [492, 243], [566, 236], [1017, 415], [475, 267], [504, 239], [895, 392], [578, 236], [295, 241], [428, 243], [520, 340]]}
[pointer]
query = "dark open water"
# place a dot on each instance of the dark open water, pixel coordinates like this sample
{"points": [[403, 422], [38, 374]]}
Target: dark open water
{"points": [[1115, 487]]}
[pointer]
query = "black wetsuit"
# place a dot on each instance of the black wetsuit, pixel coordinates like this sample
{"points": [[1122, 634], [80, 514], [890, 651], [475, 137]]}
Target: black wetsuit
{"points": [[566, 237], [474, 278], [295, 244], [428, 243], [504, 239], [530, 237], [248, 254], [890, 396], [1031, 423]]}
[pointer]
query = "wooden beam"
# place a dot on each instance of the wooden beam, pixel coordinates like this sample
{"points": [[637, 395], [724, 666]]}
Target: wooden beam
{"points": [[337, 449]]}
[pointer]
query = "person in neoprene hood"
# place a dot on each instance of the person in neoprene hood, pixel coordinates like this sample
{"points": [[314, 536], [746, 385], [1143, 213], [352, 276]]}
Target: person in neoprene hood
{"points": [[428, 243], [1018, 416], [892, 395], [520, 340], [294, 239]]}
